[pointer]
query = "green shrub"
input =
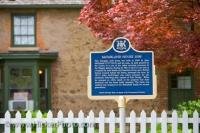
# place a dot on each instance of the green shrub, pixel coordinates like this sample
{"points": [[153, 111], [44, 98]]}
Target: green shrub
{"points": [[169, 129], [158, 129], [189, 106]]}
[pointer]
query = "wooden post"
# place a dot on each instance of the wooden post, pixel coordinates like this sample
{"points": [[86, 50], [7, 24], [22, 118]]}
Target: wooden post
{"points": [[122, 113]]}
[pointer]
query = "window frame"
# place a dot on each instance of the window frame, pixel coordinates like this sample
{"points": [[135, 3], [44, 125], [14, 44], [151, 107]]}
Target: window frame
{"points": [[12, 29], [190, 93], [48, 84], [18, 64], [187, 73], [35, 65]]}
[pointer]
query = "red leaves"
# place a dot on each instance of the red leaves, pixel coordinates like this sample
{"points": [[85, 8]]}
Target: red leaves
{"points": [[150, 25]]}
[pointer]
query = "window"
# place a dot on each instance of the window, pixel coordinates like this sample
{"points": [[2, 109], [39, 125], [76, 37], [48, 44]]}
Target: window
{"points": [[25, 81], [44, 91], [184, 82], [181, 81], [181, 88], [23, 30], [21, 88]]}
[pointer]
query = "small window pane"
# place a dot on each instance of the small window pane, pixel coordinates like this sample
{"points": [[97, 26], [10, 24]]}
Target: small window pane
{"points": [[184, 82], [17, 30], [24, 20], [17, 20], [174, 83], [30, 20], [31, 40], [30, 30], [20, 78], [24, 30], [17, 40], [188, 83], [26, 72], [24, 40]]}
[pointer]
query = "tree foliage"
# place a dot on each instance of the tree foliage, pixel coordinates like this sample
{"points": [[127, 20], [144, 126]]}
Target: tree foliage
{"points": [[168, 27]]}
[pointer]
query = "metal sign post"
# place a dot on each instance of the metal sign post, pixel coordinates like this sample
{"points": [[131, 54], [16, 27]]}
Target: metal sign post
{"points": [[122, 73]]}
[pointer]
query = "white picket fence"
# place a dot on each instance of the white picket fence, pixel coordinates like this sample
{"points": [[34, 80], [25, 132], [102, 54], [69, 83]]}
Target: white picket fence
{"points": [[94, 124]]}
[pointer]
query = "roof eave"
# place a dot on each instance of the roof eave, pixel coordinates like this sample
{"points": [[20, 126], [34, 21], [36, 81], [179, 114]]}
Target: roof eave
{"points": [[41, 5]]}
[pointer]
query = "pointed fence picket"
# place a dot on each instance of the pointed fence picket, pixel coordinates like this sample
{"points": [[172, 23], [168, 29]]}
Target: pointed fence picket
{"points": [[91, 121], [39, 122], [28, 122], [185, 122], [101, 122], [153, 122], [196, 122], [143, 122], [70, 124], [174, 122], [166, 122], [60, 122], [7, 122], [132, 122], [49, 122], [81, 122], [112, 122], [18, 122]]}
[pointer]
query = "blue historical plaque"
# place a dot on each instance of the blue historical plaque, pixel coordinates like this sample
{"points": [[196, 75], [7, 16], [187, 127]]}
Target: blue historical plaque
{"points": [[122, 71]]}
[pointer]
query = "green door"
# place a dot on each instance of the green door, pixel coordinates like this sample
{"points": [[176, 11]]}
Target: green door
{"points": [[180, 88]]}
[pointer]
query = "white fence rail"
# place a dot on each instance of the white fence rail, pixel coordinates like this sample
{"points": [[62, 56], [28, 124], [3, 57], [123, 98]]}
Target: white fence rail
{"points": [[92, 124]]}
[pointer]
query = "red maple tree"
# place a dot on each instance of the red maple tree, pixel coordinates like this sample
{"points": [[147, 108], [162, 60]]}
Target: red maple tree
{"points": [[170, 29]]}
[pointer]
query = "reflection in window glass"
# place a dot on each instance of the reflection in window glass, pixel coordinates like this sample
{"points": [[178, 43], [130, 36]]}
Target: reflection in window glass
{"points": [[43, 89], [181, 81], [24, 30], [21, 82], [30, 30], [30, 40], [31, 21], [24, 20], [16, 20], [19, 79], [17, 30], [184, 82]]}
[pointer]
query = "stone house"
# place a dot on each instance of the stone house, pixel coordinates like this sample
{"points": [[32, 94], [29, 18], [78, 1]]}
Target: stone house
{"points": [[44, 58]]}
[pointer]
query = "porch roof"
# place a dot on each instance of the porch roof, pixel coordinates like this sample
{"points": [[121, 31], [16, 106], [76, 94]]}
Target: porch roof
{"points": [[29, 55]]}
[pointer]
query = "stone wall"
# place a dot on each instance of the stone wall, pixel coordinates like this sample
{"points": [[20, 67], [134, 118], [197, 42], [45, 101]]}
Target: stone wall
{"points": [[5, 30]]}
